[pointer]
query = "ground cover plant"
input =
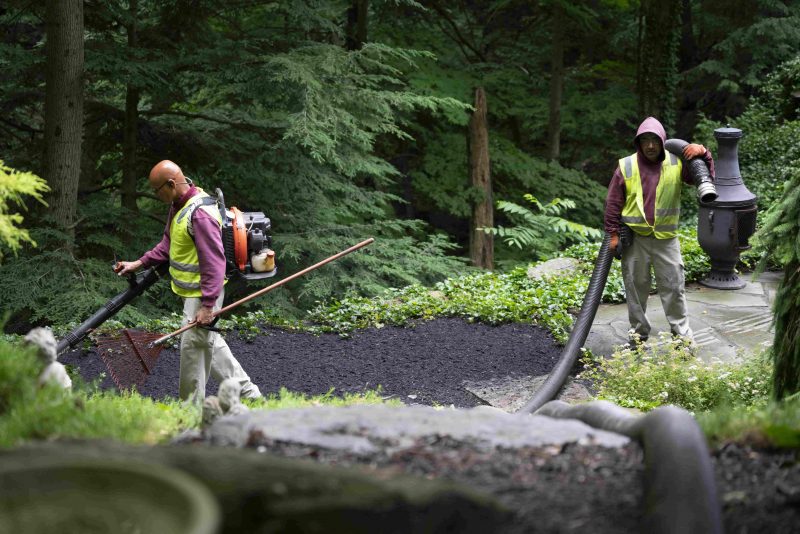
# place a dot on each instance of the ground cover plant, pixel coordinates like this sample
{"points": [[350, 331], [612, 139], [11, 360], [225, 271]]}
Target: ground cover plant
{"points": [[730, 400], [30, 412], [667, 371]]}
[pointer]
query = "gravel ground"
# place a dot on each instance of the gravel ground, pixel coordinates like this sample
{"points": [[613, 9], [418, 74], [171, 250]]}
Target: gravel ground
{"points": [[570, 489]]}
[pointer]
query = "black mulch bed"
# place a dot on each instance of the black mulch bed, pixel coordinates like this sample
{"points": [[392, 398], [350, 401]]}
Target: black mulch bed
{"points": [[570, 489], [430, 361]]}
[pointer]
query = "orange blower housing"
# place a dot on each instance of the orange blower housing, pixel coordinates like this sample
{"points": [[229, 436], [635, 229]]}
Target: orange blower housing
{"points": [[245, 235]]}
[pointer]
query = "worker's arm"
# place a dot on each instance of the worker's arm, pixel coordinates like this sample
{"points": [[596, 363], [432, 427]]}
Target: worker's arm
{"points": [[615, 200], [696, 151], [154, 256], [211, 255]]}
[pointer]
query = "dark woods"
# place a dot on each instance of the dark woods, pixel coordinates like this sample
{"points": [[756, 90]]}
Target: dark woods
{"points": [[401, 120]]}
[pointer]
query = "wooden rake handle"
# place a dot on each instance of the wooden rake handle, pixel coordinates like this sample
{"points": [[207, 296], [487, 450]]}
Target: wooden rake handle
{"points": [[267, 289]]}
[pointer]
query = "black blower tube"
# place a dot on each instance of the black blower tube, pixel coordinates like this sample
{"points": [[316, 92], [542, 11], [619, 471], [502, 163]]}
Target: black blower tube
{"points": [[580, 330], [706, 192], [138, 285], [680, 492]]}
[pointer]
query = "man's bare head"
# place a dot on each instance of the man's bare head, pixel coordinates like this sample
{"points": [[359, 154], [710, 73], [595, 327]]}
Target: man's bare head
{"points": [[165, 170], [168, 181]]}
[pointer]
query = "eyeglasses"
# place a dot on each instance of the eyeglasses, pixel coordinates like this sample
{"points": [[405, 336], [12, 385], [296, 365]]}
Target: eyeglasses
{"points": [[157, 189]]}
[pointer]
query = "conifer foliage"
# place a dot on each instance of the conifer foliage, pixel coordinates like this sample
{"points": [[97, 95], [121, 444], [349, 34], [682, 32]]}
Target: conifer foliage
{"points": [[782, 231], [778, 112]]}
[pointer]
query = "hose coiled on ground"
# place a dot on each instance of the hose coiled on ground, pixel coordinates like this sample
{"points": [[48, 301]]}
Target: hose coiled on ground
{"points": [[680, 492], [580, 330]]}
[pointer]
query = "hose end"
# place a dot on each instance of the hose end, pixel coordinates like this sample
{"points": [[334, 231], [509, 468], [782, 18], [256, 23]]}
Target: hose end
{"points": [[706, 192]]}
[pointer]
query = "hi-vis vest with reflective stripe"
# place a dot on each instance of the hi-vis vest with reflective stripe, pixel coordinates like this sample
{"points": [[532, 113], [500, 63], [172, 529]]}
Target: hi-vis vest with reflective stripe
{"points": [[668, 198], [184, 265]]}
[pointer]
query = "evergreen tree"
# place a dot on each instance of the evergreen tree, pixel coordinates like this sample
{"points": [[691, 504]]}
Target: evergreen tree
{"points": [[777, 113]]}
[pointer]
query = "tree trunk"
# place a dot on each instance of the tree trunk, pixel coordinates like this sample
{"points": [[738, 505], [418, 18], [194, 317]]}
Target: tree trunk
{"points": [[556, 84], [688, 43], [481, 247], [130, 128], [357, 24], [657, 69], [63, 107]]}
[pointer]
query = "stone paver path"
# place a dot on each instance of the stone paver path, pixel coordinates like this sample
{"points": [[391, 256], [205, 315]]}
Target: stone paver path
{"points": [[725, 323]]}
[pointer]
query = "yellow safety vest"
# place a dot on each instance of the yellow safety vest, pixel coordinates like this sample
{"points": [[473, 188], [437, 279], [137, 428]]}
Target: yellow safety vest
{"points": [[668, 198], [184, 265]]}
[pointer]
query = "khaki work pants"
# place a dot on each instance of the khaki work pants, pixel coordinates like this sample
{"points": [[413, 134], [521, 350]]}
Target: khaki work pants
{"points": [[665, 257], [203, 353]]}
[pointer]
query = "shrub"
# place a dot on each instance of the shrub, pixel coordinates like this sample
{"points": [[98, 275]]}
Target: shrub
{"points": [[14, 186], [667, 372]]}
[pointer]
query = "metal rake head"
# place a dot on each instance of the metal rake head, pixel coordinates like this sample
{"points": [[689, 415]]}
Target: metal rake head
{"points": [[129, 356]]}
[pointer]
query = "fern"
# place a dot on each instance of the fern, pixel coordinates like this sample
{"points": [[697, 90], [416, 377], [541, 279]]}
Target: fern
{"points": [[543, 231]]}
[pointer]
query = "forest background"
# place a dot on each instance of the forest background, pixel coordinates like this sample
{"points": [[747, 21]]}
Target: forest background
{"points": [[414, 123]]}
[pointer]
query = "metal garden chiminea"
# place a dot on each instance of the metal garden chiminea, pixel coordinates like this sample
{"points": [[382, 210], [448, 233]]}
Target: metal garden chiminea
{"points": [[725, 225]]}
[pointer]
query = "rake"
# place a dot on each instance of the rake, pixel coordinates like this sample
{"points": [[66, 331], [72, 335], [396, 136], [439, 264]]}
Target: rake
{"points": [[131, 355]]}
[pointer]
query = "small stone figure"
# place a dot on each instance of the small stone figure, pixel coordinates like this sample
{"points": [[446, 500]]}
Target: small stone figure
{"points": [[230, 391], [227, 403], [211, 410], [53, 372]]}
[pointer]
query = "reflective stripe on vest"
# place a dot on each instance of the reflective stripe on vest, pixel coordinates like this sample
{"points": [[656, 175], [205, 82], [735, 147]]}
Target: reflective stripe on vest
{"points": [[668, 198], [184, 265]]}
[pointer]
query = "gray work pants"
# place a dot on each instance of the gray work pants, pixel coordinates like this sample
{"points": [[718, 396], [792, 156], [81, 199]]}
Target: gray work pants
{"points": [[665, 257], [203, 353]]}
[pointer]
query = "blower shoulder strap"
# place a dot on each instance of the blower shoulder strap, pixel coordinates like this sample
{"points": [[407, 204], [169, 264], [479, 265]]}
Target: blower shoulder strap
{"points": [[205, 201]]}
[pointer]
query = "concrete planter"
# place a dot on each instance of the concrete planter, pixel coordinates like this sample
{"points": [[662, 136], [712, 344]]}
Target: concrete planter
{"points": [[72, 495]]}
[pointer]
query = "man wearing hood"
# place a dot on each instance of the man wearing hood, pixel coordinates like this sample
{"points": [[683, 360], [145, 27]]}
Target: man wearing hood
{"points": [[645, 195]]}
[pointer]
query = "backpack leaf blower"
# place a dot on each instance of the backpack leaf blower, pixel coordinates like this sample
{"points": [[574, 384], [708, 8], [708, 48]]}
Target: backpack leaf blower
{"points": [[246, 240]]}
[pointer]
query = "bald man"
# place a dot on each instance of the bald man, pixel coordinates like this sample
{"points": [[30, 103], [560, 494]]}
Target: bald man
{"points": [[192, 244]]}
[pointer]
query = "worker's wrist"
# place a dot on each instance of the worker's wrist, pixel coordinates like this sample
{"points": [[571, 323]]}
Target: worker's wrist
{"points": [[208, 302]]}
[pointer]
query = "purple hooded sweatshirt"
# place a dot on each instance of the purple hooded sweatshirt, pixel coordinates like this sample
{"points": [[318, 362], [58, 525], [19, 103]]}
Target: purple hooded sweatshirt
{"points": [[210, 252], [650, 174]]}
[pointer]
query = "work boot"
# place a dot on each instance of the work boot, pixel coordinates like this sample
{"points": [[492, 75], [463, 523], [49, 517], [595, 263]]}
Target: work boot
{"points": [[636, 340], [687, 342]]}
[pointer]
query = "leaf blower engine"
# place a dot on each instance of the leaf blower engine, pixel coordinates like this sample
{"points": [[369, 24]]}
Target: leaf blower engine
{"points": [[245, 236]]}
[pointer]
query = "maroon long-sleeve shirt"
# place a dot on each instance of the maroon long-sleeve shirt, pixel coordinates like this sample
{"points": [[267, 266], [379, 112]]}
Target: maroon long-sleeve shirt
{"points": [[210, 252], [650, 173]]}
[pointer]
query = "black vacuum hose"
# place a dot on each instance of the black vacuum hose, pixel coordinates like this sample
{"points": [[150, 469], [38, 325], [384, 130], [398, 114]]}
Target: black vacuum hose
{"points": [[679, 490], [706, 192], [580, 330]]}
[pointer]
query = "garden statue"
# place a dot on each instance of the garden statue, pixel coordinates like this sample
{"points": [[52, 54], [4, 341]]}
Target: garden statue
{"points": [[230, 391], [53, 372], [211, 410]]}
